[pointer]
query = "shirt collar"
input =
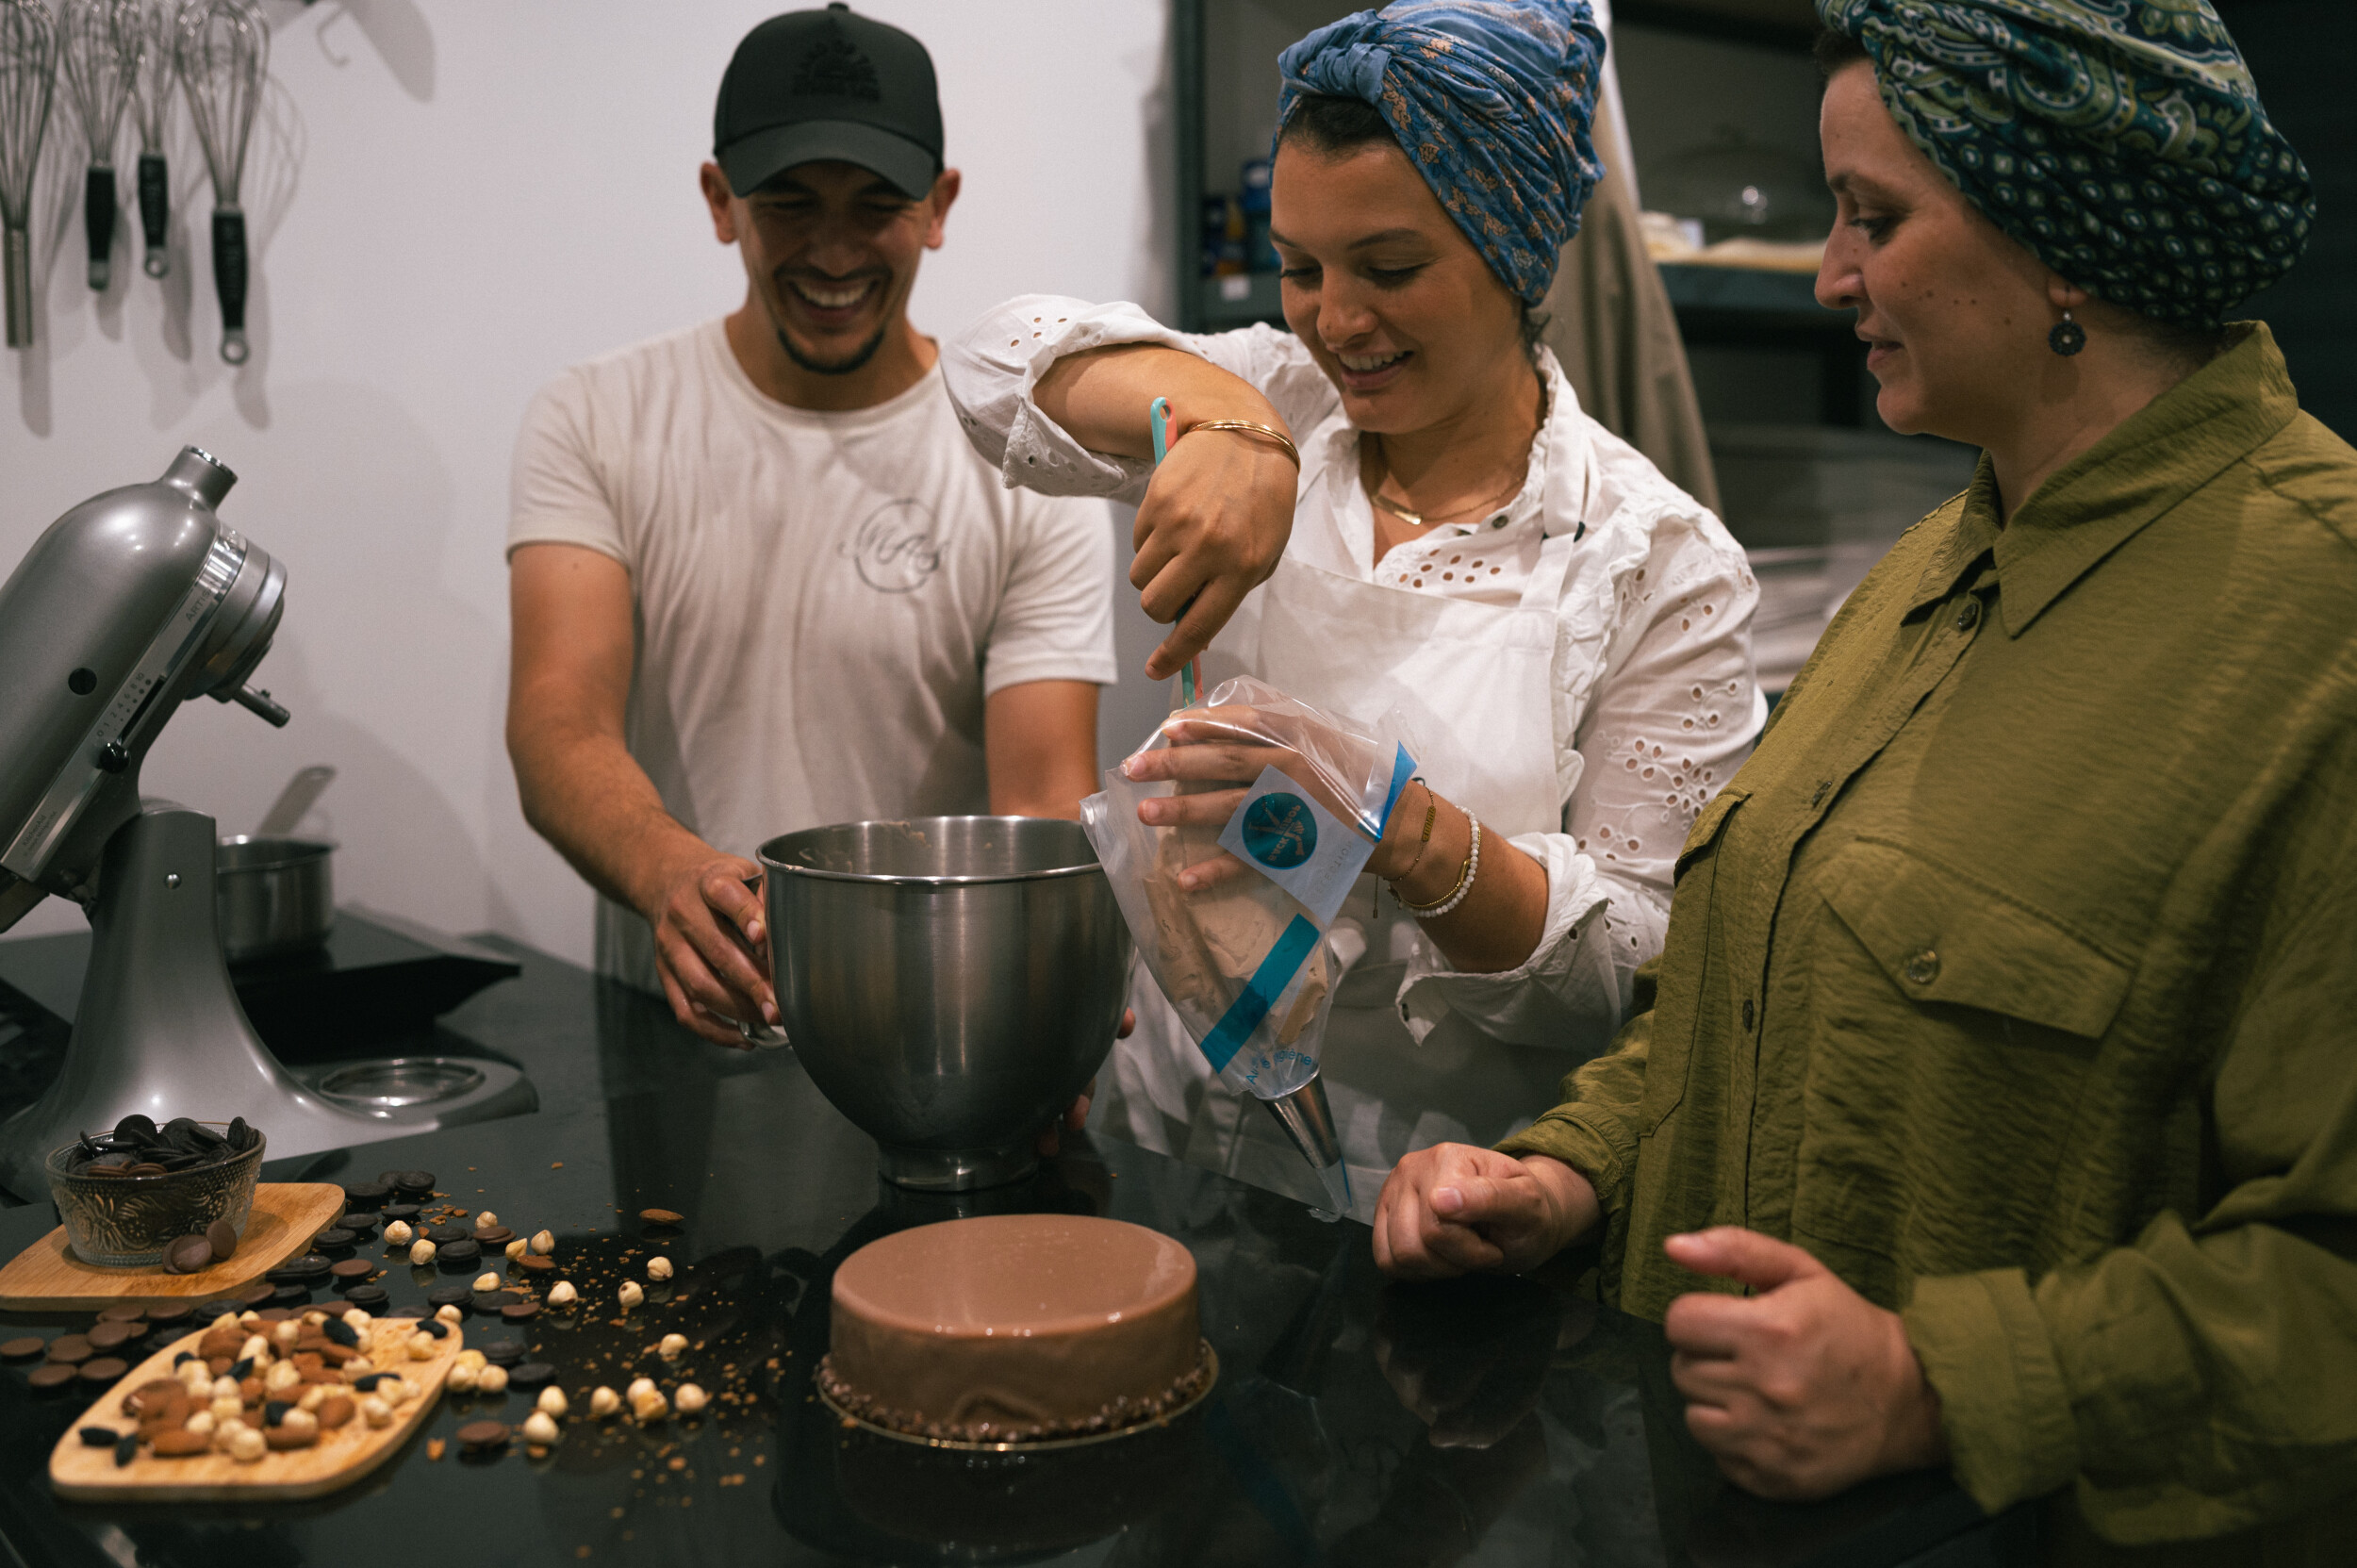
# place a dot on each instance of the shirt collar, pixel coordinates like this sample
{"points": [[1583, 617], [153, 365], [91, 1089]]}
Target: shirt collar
{"points": [[2159, 455]]}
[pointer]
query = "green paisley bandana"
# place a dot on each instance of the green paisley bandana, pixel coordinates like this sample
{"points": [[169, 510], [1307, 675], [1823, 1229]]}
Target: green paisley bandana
{"points": [[2121, 141]]}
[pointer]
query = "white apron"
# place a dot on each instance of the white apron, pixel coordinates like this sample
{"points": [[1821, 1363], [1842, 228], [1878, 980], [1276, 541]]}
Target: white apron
{"points": [[1472, 685]]}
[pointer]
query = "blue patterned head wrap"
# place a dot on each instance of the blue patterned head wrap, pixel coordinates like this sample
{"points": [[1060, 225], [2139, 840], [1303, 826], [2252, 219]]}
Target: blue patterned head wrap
{"points": [[1490, 100], [2121, 140]]}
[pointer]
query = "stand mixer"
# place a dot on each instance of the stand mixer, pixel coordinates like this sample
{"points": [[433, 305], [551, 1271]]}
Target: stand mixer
{"points": [[131, 603]]}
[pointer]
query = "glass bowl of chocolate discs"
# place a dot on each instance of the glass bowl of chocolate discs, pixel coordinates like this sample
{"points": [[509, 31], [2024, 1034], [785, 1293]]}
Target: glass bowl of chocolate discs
{"points": [[143, 1194]]}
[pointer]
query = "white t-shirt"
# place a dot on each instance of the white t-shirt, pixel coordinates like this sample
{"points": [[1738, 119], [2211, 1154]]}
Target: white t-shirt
{"points": [[822, 599]]}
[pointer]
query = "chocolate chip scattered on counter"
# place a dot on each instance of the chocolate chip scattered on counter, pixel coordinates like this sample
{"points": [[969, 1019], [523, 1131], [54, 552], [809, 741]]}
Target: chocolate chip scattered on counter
{"points": [[303, 1270], [51, 1377], [367, 1195], [403, 1211], [187, 1254], [415, 1184], [491, 1301], [113, 1335], [366, 1297], [71, 1349], [482, 1435], [21, 1349], [99, 1437], [292, 1295], [535, 1263], [260, 1293], [351, 1268], [520, 1312], [449, 1296], [530, 1375], [458, 1256], [442, 1236], [498, 1235], [223, 1236], [660, 1216], [335, 1239], [104, 1369], [504, 1352], [360, 1221], [170, 1312], [122, 1311]]}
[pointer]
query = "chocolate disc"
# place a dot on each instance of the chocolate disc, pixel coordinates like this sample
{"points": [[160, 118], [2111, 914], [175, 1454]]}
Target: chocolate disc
{"points": [[535, 1263], [483, 1434], [491, 1301], [146, 1168], [303, 1270], [122, 1311], [360, 1222], [21, 1349], [531, 1374], [351, 1268], [367, 1195], [104, 1369], [260, 1293], [498, 1235], [56, 1375], [403, 1211], [449, 1296], [223, 1236], [170, 1312], [520, 1312], [113, 1336], [417, 1181], [660, 1216], [459, 1255], [292, 1295], [366, 1297], [71, 1349], [442, 1236], [504, 1352], [187, 1254]]}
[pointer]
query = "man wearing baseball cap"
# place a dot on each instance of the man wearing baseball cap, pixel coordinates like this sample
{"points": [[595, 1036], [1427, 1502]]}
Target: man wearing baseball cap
{"points": [[759, 579]]}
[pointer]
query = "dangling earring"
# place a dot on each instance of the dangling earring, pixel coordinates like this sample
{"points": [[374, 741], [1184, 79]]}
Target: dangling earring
{"points": [[2067, 338]]}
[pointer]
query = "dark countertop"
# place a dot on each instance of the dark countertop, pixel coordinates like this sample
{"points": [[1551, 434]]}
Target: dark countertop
{"points": [[1497, 1422]]}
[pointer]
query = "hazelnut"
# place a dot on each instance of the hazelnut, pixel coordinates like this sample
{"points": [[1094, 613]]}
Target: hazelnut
{"points": [[357, 1368], [315, 1317], [224, 1387], [421, 1254], [639, 1388], [690, 1399], [562, 1293], [473, 1361], [491, 1380], [356, 1320], [487, 1220], [300, 1420], [202, 1423], [248, 1446], [544, 1243], [486, 1282], [394, 1391], [658, 1268], [630, 1296], [398, 1234], [375, 1412], [462, 1378], [650, 1406], [451, 1315], [227, 1410], [282, 1374], [671, 1347], [226, 1320], [553, 1400], [288, 1331], [421, 1347], [313, 1397], [539, 1427], [255, 1350], [603, 1401], [516, 1247]]}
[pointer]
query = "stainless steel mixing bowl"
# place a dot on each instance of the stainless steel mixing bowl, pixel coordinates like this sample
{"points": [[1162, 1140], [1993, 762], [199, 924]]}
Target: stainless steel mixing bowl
{"points": [[273, 896], [950, 983]]}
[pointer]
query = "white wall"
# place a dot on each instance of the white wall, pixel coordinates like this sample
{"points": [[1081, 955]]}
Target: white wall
{"points": [[451, 200]]}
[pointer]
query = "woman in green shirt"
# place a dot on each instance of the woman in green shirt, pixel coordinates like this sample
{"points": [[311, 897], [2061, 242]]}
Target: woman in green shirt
{"points": [[1993, 1103]]}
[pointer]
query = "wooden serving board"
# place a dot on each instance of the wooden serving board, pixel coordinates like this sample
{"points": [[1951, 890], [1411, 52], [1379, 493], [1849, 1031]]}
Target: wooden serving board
{"points": [[82, 1474], [47, 1276]]}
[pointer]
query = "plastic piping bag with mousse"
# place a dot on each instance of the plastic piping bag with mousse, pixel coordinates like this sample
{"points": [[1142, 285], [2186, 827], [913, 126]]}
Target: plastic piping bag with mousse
{"points": [[1246, 962]]}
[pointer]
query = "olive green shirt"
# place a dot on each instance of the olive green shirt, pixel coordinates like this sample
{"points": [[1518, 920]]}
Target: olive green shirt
{"points": [[2015, 976]]}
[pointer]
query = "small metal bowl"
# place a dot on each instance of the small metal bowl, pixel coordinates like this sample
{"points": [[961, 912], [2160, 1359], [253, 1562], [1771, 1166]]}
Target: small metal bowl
{"points": [[272, 896], [127, 1221]]}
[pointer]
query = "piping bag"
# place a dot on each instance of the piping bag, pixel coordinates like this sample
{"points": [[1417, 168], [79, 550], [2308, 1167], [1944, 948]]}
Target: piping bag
{"points": [[1245, 962]]}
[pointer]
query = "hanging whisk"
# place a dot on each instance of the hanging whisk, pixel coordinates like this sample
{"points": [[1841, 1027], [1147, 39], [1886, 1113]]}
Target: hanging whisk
{"points": [[154, 84], [28, 70], [224, 49], [100, 43]]}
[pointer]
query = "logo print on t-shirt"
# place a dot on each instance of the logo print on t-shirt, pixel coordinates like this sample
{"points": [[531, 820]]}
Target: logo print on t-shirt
{"points": [[894, 548]]}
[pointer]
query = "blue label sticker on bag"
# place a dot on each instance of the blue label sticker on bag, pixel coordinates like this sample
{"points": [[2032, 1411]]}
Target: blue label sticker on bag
{"points": [[1278, 966], [1296, 843]]}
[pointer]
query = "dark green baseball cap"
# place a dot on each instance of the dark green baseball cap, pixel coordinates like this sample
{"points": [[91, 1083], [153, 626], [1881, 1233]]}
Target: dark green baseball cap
{"points": [[814, 85]]}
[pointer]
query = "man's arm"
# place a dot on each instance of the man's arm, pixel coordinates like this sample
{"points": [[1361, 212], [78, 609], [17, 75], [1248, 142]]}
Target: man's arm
{"points": [[573, 649], [1039, 742]]}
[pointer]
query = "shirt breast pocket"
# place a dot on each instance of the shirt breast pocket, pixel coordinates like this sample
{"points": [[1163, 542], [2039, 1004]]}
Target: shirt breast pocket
{"points": [[1946, 939]]}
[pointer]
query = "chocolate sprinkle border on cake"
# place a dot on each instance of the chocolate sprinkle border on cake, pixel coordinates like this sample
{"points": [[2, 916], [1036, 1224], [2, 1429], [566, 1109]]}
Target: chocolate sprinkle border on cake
{"points": [[1123, 1414]]}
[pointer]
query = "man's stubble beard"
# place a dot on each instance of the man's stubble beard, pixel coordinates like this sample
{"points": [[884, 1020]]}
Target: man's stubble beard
{"points": [[837, 367]]}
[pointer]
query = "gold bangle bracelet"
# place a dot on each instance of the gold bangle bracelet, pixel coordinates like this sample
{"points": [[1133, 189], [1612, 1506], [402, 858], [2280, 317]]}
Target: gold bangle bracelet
{"points": [[1249, 428]]}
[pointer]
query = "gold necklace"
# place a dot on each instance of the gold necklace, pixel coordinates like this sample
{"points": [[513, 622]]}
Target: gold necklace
{"points": [[1417, 520]]}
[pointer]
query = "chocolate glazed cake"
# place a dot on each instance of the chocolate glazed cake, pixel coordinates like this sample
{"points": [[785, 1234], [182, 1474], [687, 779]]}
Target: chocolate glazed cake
{"points": [[1015, 1328]]}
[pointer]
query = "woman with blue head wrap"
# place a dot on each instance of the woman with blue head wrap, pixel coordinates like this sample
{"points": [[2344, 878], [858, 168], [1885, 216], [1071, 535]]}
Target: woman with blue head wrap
{"points": [[1446, 538], [1996, 1073]]}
